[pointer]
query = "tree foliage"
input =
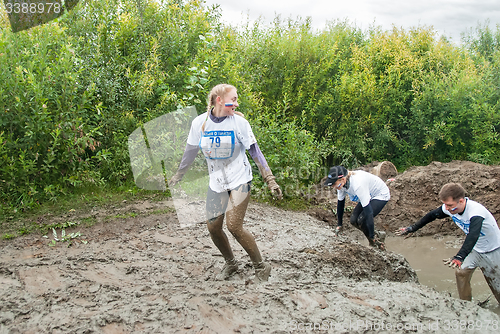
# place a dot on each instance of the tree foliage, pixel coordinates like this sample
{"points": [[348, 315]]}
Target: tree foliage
{"points": [[74, 89]]}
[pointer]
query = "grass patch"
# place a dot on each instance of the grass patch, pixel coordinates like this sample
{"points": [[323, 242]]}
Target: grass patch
{"points": [[292, 204], [89, 221], [60, 225], [163, 211], [124, 216]]}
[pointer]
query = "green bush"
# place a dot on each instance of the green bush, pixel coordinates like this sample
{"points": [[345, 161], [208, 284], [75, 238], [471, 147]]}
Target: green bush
{"points": [[74, 89], [293, 154], [46, 142]]}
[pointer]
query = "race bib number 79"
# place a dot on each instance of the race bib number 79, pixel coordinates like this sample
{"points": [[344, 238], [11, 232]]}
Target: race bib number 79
{"points": [[217, 144]]}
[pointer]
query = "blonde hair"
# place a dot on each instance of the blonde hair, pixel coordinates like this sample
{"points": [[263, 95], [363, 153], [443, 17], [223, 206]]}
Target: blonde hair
{"points": [[219, 90]]}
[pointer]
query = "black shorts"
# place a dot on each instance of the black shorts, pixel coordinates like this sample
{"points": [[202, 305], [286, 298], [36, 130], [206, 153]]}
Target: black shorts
{"points": [[217, 202]]}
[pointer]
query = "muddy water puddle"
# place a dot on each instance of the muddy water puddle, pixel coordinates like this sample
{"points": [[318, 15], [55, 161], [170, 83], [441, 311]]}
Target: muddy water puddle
{"points": [[426, 254]]}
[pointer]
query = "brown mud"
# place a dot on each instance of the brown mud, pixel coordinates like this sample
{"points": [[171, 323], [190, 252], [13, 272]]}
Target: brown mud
{"points": [[142, 272]]}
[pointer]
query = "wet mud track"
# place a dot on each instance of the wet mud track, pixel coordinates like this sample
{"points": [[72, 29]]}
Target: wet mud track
{"points": [[147, 274]]}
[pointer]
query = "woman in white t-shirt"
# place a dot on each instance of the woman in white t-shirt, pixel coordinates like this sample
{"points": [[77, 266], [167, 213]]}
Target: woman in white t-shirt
{"points": [[371, 193], [224, 136]]}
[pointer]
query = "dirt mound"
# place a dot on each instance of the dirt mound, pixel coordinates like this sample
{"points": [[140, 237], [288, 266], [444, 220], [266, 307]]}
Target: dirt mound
{"points": [[359, 263], [138, 271]]}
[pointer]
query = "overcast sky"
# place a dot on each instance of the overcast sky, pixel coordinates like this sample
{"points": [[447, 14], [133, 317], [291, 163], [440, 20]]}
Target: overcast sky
{"points": [[448, 17]]}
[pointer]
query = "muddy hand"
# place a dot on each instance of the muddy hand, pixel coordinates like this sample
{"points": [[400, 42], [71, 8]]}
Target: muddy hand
{"points": [[274, 187], [401, 231], [406, 231], [276, 191], [452, 262], [175, 179]]}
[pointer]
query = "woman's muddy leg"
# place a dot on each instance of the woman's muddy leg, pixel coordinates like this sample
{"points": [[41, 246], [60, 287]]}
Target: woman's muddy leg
{"points": [[219, 237], [235, 215], [358, 220], [216, 205], [234, 219], [355, 214]]}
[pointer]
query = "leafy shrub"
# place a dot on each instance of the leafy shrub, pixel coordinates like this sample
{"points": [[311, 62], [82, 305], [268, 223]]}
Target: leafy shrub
{"points": [[292, 153], [73, 90], [45, 142]]}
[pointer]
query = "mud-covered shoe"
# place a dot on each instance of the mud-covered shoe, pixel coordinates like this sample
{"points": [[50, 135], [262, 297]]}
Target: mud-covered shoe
{"points": [[375, 242], [381, 235], [229, 269], [338, 230], [262, 271]]}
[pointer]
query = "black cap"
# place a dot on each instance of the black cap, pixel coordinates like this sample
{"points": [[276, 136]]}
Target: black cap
{"points": [[335, 173]]}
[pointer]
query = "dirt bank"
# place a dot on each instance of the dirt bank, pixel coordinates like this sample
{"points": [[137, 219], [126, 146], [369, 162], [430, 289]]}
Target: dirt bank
{"points": [[138, 271]]}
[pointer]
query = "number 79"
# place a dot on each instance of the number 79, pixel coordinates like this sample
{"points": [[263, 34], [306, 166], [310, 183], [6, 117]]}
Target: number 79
{"points": [[217, 141]]}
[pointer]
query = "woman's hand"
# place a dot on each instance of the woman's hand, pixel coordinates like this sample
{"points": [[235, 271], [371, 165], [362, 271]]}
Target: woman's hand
{"points": [[274, 187]]}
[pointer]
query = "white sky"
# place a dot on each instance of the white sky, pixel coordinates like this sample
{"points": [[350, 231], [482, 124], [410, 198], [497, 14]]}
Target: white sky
{"points": [[447, 17]]}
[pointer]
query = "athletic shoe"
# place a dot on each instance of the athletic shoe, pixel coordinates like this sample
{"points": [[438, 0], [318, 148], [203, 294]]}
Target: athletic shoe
{"points": [[229, 269], [375, 242], [381, 235], [262, 271]]}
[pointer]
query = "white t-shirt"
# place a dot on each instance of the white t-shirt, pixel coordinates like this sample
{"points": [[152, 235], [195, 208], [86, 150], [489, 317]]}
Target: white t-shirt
{"points": [[489, 238], [364, 187], [224, 145]]}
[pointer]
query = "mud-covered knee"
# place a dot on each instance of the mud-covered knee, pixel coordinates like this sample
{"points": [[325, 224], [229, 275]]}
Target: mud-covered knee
{"points": [[214, 224], [236, 231], [357, 222], [354, 221], [462, 273]]}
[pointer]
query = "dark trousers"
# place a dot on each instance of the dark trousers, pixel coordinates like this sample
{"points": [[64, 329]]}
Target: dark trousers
{"points": [[358, 217]]}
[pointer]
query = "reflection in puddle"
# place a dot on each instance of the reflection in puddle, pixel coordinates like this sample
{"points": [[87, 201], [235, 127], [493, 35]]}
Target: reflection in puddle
{"points": [[426, 254]]}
